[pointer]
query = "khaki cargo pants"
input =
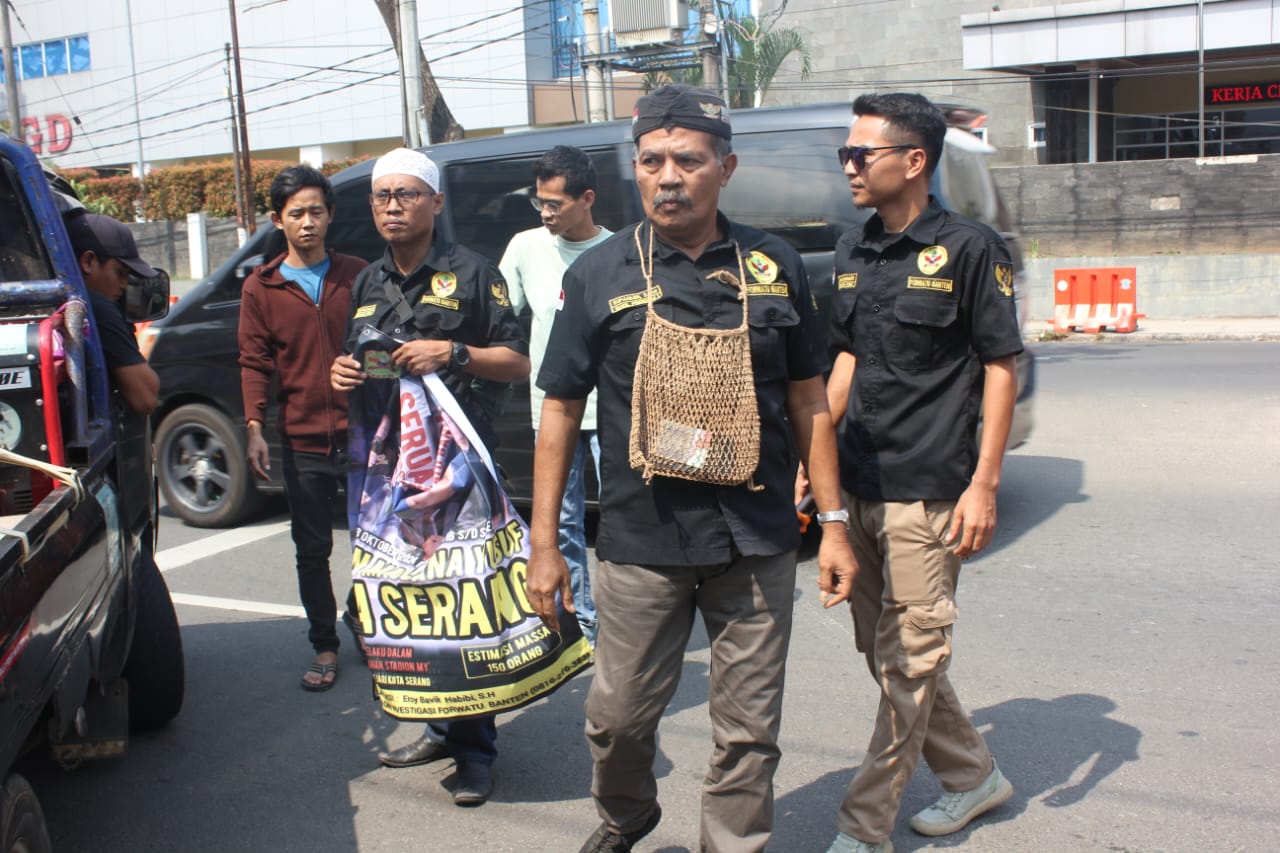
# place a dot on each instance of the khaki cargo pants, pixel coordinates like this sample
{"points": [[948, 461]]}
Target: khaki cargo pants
{"points": [[646, 615], [904, 606]]}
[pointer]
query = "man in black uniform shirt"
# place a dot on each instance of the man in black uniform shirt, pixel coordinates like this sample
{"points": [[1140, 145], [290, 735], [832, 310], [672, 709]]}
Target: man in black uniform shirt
{"points": [[675, 545], [924, 318], [107, 255], [449, 307]]}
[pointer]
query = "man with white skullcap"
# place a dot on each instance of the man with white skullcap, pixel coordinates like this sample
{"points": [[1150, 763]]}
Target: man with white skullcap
{"points": [[449, 305]]}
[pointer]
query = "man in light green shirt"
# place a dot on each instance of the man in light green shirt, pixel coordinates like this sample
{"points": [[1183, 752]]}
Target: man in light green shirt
{"points": [[534, 263]]}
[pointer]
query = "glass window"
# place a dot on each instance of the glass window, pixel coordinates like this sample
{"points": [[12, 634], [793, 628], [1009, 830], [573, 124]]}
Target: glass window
{"points": [[22, 255], [31, 57], [55, 57], [967, 184], [79, 49], [488, 200], [352, 231], [809, 204]]}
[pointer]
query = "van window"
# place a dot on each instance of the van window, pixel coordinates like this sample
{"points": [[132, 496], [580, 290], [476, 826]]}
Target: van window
{"points": [[352, 231], [488, 200], [967, 185], [789, 183], [22, 256]]}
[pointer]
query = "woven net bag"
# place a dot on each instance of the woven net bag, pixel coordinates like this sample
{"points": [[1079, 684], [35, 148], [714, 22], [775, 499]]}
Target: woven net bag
{"points": [[693, 402]]}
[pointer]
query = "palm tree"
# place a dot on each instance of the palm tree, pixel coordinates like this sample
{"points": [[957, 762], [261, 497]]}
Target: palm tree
{"points": [[756, 55]]}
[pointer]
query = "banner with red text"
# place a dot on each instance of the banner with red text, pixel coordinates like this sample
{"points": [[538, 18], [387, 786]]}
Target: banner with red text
{"points": [[439, 557]]}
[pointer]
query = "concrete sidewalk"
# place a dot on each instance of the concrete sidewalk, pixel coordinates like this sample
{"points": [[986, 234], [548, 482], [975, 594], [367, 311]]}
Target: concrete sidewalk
{"points": [[1170, 329]]}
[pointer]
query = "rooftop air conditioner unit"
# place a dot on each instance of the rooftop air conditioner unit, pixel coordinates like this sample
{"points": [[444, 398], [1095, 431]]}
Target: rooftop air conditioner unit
{"points": [[641, 23]]}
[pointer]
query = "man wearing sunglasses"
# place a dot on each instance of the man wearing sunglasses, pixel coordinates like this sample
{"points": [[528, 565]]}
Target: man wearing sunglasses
{"points": [[449, 309], [533, 264], [923, 319]]}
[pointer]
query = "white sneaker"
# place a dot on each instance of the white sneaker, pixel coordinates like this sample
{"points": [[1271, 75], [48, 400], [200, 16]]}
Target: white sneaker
{"points": [[849, 844], [954, 809]]}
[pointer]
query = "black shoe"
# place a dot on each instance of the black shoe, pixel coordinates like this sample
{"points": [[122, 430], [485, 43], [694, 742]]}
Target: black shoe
{"points": [[354, 627], [421, 751], [605, 840], [473, 785]]}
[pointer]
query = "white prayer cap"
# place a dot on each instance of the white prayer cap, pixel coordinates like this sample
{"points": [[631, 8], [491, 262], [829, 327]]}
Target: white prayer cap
{"points": [[403, 161]]}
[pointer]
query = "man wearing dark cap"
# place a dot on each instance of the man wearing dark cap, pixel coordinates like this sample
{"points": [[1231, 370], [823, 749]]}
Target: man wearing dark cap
{"points": [[108, 255], [672, 544]]}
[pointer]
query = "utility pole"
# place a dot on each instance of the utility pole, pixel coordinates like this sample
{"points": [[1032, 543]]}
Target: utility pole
{"points": [[235, 151], [137, 107], [10, 75], [1200, 69], [710, 47], [593, 79], [246, 167], [411, 73]]}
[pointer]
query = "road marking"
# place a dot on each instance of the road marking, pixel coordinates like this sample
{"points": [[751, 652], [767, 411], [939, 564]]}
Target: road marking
{"points": [[185, 555], [238, 605]]}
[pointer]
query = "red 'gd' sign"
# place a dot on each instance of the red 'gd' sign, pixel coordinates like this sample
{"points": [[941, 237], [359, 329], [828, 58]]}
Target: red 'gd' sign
{"points": [[55, 133], [1243, 94]]}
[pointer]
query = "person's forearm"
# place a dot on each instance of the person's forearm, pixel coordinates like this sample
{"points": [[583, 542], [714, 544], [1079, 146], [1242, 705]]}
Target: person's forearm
{"points": [[811, 423], [557, 440], [838, 384], [999, 391], [498, 364]]}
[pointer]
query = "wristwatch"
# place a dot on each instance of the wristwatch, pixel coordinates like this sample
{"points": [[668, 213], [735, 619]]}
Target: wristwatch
{"points": [[460, 356], [840, 515]]}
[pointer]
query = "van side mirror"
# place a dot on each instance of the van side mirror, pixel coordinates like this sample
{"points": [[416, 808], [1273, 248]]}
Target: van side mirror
{"points": [[147, 299], [248, 265]]}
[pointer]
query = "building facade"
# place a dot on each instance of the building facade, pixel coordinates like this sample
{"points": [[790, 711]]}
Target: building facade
{"points": [[147, 81], [1073, 82]]}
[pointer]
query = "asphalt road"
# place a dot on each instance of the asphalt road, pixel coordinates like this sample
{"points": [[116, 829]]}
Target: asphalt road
{"points": [[1115, 645]]}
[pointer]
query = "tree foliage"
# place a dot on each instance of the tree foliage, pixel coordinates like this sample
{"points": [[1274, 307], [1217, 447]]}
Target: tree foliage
{"points": [[756, 53]]}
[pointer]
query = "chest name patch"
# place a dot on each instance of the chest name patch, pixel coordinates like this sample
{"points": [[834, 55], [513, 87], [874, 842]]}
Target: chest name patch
{"points": [[846, 281], [942, 285], [779, 289], [439, 302], [631, 300], [364, 311]]}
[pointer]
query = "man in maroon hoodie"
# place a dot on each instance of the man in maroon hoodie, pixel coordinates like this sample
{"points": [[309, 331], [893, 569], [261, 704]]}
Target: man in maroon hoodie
{"points": [[293, 314]]}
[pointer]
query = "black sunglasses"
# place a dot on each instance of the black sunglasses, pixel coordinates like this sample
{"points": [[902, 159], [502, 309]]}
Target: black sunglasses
{"points": [[857, 154]]}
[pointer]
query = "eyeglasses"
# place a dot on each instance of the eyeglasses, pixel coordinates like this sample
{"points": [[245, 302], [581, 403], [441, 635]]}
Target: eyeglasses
{"points": [[405, 198], [857, 154], [542, 204]]}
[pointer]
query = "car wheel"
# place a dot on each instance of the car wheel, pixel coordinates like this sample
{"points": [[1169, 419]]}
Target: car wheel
{"points": [[23, 825], [155, 669], [201, 465]]}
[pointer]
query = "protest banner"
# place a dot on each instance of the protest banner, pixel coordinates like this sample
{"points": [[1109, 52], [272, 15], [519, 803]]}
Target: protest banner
{"points": [[439, 557]]}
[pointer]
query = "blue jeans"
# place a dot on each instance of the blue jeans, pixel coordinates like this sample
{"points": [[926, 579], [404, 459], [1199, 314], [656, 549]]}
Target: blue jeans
{"points": [[573, 529]]}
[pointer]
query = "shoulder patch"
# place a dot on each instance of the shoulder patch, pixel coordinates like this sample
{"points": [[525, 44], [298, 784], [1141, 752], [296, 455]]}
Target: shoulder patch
{"points": [[1004, 277], [932, 259], [763, 267], [443, 284], [364, 311], [500, 295], [631, 300], [846, 281]]}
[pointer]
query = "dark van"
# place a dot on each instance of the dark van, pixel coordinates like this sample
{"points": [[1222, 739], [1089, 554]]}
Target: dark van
{"points": [[788, 181]]}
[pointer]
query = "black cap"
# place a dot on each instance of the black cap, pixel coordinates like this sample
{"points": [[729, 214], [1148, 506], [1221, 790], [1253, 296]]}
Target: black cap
{"points": [[680, 105], [108, 238]]}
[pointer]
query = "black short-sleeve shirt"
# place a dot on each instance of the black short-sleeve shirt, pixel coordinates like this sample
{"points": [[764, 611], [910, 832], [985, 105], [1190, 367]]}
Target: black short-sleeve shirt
{"points": [[119, 346], [921, 312], [594, 342], [455, 294]]}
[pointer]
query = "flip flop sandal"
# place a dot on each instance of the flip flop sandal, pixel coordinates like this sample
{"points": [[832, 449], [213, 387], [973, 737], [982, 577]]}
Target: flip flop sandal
{"points": [[321, 669]]}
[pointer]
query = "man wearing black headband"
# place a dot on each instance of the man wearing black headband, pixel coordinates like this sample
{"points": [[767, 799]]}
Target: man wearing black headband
{"points": [[672, 546]]}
